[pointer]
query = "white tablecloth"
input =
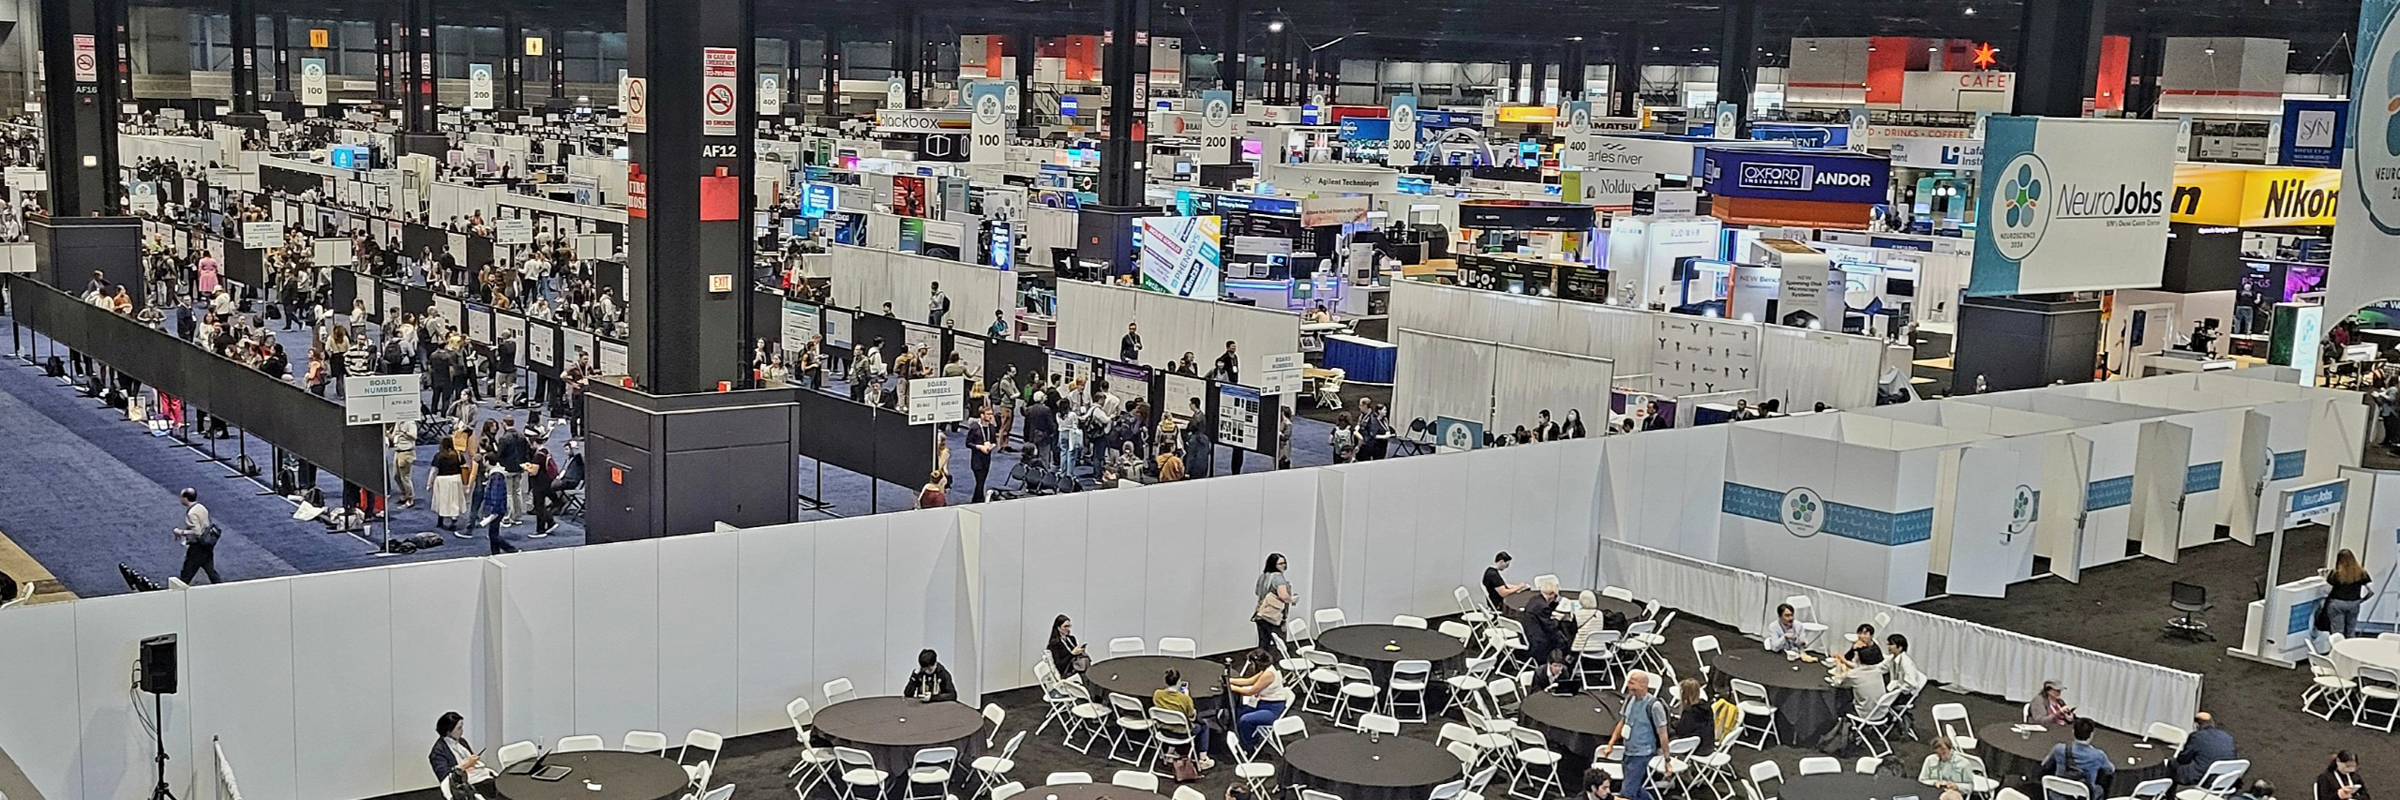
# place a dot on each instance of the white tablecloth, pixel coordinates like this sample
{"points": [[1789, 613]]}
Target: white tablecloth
{"points": [[2351, 652]]}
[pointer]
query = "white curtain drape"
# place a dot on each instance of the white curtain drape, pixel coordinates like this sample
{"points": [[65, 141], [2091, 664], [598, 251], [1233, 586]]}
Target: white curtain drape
{"points": [[1441, 376], [865, 278], [1527, 381], [1804, 368], [1092, 318], [2117, 692]]}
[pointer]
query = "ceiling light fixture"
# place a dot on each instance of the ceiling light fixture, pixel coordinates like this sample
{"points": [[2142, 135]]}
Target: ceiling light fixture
{"points": [[1275, 26], [2208, 51], [1970, 11], [1812, 47]]}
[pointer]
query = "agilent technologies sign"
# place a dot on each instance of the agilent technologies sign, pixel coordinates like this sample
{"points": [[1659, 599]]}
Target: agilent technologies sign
{"points": [[2072, 205]]}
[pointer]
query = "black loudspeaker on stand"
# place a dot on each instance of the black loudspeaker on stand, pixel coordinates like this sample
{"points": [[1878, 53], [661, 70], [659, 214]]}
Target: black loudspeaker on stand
{"points": [[154, 672]]}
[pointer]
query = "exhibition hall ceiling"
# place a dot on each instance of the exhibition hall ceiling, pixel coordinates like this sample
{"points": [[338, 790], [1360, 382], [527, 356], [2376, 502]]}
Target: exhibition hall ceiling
{"points": [[1682, 31]]}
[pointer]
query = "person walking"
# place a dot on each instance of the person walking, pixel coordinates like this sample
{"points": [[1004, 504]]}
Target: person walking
{"points": [[448, 485], [492, 502], [1643, 729], [516, 459], [543, 481], [403, 441], [199, 539]]}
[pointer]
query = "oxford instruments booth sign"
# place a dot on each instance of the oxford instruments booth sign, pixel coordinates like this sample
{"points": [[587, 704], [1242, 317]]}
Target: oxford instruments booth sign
{"points": [[2072, 205]]}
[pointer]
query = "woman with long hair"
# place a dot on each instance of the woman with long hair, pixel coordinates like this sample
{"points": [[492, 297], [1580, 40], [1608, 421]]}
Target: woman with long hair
{"points": [[1263, 693], [448, 486], [2349, 582], [1066, 653], [2340, 779], [1270, 614]]}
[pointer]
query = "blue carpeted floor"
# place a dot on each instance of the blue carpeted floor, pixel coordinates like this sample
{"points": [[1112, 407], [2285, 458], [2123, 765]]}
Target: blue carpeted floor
{"points": [[85, 490]]}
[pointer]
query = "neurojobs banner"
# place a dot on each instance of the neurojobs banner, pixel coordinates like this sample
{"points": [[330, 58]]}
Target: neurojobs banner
{"points": [[2072, 205]]}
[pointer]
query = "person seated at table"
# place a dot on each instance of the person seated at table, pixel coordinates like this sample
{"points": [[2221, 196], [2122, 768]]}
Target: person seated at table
{"points": [[1785, 635], [1695, 719], [2207, 745], [1598, 786], [1263, 692], [1495, 588], [1589, 622], [2049, 707], [453, 757], [931, 682], [2340, 779], [1540, 618], [1860, 668], [2079, 759], [1066, 654], [1317, 315], [1946, 770], [1177, 697], [1557, 676], [1898, 669]]}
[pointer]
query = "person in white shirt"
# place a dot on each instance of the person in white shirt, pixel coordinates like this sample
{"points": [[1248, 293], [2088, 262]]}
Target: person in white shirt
{"points": [[1899, 670], [1784, 634], [1263, 691], [199, 545]]}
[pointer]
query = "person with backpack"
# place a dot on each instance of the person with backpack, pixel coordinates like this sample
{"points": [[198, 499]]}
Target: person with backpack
{"points": [[199, 539], [2080, 761], [491, 500], [1343, 439]]}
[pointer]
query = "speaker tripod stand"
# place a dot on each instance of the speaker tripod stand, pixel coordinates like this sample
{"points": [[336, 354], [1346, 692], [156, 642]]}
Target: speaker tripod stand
{"points": [[158, 737]]}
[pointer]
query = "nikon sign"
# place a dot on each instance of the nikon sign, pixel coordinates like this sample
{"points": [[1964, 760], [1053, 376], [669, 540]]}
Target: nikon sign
{"points": [[2072, 205]]}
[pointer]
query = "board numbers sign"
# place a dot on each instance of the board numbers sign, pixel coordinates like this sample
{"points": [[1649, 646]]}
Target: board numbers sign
{"points": [[937, 400]]}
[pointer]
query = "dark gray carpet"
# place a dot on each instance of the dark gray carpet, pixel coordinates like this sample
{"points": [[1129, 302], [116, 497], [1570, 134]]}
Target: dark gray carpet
{"points": [[2120, 609]]}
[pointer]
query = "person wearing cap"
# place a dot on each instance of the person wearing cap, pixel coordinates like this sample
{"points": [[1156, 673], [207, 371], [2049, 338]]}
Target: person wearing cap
{"points": [[2050, 706]]}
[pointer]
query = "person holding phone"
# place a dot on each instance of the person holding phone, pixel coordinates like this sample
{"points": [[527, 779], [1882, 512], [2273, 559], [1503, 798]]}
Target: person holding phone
{"points": [[1176, 695], [2050, 706], [931, 681], [452, 756]]}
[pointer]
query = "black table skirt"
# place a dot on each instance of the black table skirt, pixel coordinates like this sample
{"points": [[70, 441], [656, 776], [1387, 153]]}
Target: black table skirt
{"points": [[1806, 708], [1346, 765], [1852, 786], [2015, 760], [1569, 722], [873, 724], [1090, 791], [1364, 645], [1139, 676], [621, 775]]}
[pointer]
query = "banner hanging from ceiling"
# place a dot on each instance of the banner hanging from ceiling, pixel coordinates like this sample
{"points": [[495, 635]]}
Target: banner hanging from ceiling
{"points": [[2071, 205], [1401, 149], [2363, 271]]}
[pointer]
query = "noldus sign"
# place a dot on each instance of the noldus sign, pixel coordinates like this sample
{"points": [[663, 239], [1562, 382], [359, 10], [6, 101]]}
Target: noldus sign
{"points": [[1810, 176]]}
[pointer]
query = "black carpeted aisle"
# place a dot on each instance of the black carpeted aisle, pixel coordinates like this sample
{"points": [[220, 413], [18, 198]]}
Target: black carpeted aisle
{"points": [[2121, 609]]}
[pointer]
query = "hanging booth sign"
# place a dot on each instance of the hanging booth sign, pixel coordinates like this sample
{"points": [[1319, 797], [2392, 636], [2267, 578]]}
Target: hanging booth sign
{"points": [[770, 93], [1924, 153], [479, 86], [2252, 196], [719, 70], [1400, 150], [1217, 138], [988, 103], [2072, 205], [1333, 177], [1318, 212], [312, 81], [2312, 133], [1818, 177]]}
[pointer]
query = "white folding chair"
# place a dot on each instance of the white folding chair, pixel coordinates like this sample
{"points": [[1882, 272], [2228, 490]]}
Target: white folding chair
{"points": [[1067, 779], [1001, 792], [1189, 793], [1804, 614], [1962, 734], [1705, 649], [2154, 789], [1312, 794], [2171, 736], [838, 690], [1449, 790], [1170, 732], [1456, 630], [1868, 764], [1820, 765], [514, 752], [1875, 727], [930, 771], [994, 714], [1328, 619], [1537, 766], [1358, 693], [722, 792], [1758, 715], [1137, 780], [1471, 609], [578, 744], [1085, 716], [1465, 685], [699, 755], [2059, 788], [2327, 693], [1054, 695], [2376, 686], [2218, 782], [644, 742], [1410, 680], [1131, 719], [858, 773], [992, 770], [1286, 728], [1372, 722], [1127, 646], [1617, 593], [1179, 646], [1407, 621], [1760, 774]]}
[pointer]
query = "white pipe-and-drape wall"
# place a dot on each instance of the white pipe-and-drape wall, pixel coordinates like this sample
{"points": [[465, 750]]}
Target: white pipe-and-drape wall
{"points": [[2117, 692], [865, 278], [1502, 386], [1092, 319], [1441, 376], [1527, 382]]}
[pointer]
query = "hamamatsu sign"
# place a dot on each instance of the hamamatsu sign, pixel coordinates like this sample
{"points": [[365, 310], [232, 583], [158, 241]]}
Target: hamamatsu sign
{"points": [[2251, 197]]}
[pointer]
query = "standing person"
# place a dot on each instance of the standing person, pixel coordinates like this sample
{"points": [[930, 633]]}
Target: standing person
{"points": [[1229, 365], [1374, 430], [2349, 581], [1540, 618], [403, 441], [1129, 349], [937, 307], [999, 329], [447, 484], [492, 502], [543, 477], [1343, 439], [1003, 398], [980, 444], [504, 370], [516, 459], [199, 538], [1642, 726], [935, 493], [1272, 583]]}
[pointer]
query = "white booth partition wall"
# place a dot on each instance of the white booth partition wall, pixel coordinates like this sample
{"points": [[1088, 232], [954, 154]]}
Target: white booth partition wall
{"points": [[1176, 559], [1663, 489], [1802, 368], [1441, 376], [1411, 530], [1852, 514], [865, 278], [1092, 319], [1502, 386]]}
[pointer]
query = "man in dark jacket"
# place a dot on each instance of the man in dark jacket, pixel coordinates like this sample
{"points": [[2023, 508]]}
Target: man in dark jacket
{"points": [[504, 370], [515, 453], [2207, 745], [931, 682]]}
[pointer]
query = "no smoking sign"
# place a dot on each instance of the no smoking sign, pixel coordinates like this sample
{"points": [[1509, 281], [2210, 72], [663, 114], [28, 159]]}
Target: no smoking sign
{"points": [[718, 66]]}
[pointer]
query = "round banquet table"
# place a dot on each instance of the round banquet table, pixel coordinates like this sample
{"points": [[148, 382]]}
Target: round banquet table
{"points": [[1354, 767], [1364, 644], [1806, 707], [1141, 675], [1577, 723], [1852, 786], [2016, 759], [2367, 650], [1089, 791], [1516, 603], [893, 729], [620, 775]]}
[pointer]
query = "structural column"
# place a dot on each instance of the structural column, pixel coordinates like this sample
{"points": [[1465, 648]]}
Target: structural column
{"points": [[386, 78], [904, 52], [1571, 70], [1279, 63], [688, 261], [80, 117], [1625, 74], [833, 73], [557, 48], [1234, 60], [281, 36], [1737, 62], [1029, 51], [2055, 60], [512, 62], [1516, 82], [2149, 62], [245, 57], [424, 85]]}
